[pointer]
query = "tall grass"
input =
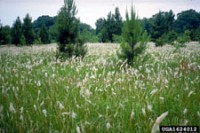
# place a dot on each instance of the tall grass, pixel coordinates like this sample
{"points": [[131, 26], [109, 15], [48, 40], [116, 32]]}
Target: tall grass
{"points": [[99, 93]]}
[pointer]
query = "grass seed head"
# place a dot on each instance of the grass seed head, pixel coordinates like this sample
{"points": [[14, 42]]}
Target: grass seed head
{"points": [[108, 125], [155, 128], [78, 129], [44, 111], [11, 108]]}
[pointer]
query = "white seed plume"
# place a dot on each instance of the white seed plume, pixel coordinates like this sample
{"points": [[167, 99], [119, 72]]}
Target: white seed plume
{"points": [[190, 93], [60, 105], [46, 75], [1, 108], [153, 91], [161, 98], [11, 108], [184, 122], [159, 119], [87, 93], [185, 111], [149, 107], [78, 129], [42, 103], [100, 115], [44, 112], [132, 115], [35, 107], [108, 125], [21, 117], [198, 113], [21, 110], [39, 83], [143, 111], [65, 113], [73, 115]]}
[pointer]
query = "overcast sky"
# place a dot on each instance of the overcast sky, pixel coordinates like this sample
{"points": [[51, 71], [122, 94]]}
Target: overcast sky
{"points": [[90, 10]]}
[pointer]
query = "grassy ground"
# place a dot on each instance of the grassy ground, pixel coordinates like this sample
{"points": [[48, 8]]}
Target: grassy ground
{"points": [[99, 93]]}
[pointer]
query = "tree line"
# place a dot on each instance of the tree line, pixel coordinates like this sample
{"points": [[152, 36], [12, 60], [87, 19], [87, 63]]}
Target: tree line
{"points": [[162, 28]]}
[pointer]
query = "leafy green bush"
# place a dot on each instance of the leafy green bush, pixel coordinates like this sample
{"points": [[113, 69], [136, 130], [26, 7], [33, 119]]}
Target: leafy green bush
{"points": [[88, 36], [23, 40], [185, 38], [160, 41], [171, 37], [117, 38]]}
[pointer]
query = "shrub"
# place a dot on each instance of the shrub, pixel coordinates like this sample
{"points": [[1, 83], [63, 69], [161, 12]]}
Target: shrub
{"points": [[117, 38], [171, 37], [185, 38], [23, 40], [160, 41]]}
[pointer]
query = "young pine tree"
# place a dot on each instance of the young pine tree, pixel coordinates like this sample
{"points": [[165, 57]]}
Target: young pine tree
{"points": [[69, 40], [17, 31], [134, 40]]}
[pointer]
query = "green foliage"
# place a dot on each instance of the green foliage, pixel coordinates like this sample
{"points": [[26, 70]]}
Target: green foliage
{"points": [[45, 24], [44, 35], [44, 20], [88, 36], [172, 37], [28, 30], [53, 33], [69, 40], [5, 34], [23, 40], [168, 38], [106, 28], [198, 34], [17, 31], [117, 38], [134, 40], [162, 23], [87, 33], [187, 20], [160, 41], [99, 25], [185, 37]]}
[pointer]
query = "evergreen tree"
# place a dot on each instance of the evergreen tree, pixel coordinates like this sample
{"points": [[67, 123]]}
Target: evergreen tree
{"points": [[162, 25], [118, 22], [17, 31], [5, 34], [70, 43], [134, 40], [158, 26], [28, 30], [44, 35], [109, 28], [169, 17], [99, 25]]}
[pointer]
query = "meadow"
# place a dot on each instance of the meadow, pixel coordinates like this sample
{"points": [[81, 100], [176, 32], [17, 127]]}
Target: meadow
{"points": [[99, 93]]}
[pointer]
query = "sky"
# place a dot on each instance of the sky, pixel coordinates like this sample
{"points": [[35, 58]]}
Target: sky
{"points": [[90, 10]]}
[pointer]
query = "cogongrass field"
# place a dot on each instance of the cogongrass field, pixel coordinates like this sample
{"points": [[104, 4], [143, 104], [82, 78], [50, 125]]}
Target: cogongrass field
{"points": [[98, 93]]}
